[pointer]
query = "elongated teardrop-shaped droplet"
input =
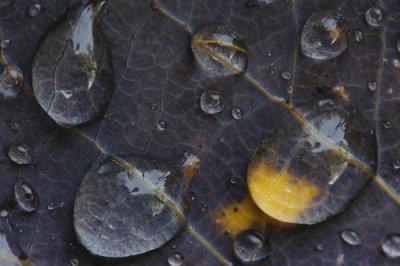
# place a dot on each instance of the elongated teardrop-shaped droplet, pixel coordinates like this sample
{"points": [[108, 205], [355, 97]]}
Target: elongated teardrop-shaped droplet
{"points": [[351, 237], [219, 51], [72, 69], [127, 210], [301, 172], [25, 196], [324, 36], [251, 246]]}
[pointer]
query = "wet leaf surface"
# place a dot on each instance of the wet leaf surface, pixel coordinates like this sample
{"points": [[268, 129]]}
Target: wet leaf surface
{"points": [[159, 82]]}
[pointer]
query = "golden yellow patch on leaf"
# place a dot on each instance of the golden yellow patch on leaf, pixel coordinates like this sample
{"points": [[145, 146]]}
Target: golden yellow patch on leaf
{"points": [[280, 194], [237, 217]]}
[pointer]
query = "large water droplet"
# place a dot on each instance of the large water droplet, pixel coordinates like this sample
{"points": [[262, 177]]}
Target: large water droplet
{"points": [[211, 103], [20, 154], [220, 51], [35, 9], [115, 219], [25, 196], [251, 246], [300, 174], [176, 259], [324, 36], [391, 246], [351, 237], [11, 81], [375, 17], [72, 69]]}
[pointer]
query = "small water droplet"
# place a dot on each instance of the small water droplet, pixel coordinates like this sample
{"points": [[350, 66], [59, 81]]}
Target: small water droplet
{"points": [[11, 82], [351, 237], [374, 17], [372, 86], [358, 35], [251, 246], [320, 247], [324, 35], [289, 89], [4, 213], [51, 206], [286, 75], [25, 196], [219, 51], [211, 103], [236, 113], [154, 106], [396, 165], [387, 124], [35, 9], [20, 154], [161, 125], [176, 259], [15, 127], [391, 246], [255, 3], [74, 262], [5, 43]]}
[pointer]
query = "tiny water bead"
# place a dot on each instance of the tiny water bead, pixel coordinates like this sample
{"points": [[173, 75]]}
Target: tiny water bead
{"points": [[161, 125], [372, 86], [176, 259], [74, 262], [212, 103], [219, 51], [255, 3], [324, 35], [5, 43], [351, 237], [25, 196], [374, 16], [11, 81], [396, 165], [387, 124], [391, 246], [4, 213], [72, 72], [358, 36], [286, 75], [20, 154], [236, 113], [251, 246], [35, 9]]}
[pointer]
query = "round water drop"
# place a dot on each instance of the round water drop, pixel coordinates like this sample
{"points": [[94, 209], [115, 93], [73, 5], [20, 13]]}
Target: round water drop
{"points": [[320, 247], [396, 165], [35, 9], [211, 103], [358, 35], [251, 246], [72, 71], [351, 237], [387, 124], [161, 125], [324, 36], [176, 259], [374, 17], [4, 213], [25, 196], [11, 82], [286, 75], [391, 246], [5, 43], [20, 154], [372, 86], [236, 113], [219, 51], [74, 262]]}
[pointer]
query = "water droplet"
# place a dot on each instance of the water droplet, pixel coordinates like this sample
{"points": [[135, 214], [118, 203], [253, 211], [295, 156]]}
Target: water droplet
{"points": [[391, 246], [72, 70], [51, 206], [286, 75], [324, 36], [251, 246], [176, 259], [236, 113], [387, 124], [161, 125], [374, 17], [396, 165], [35, 9], [5, 43], [372, 86], [358, 35], [20, 154], [154, 106], [351, 237], [4, 213], [211, 103], [74, 262], [11, 82], [220, 51], [255, 3], [15, 127], [320, 247], [25, 196]]}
